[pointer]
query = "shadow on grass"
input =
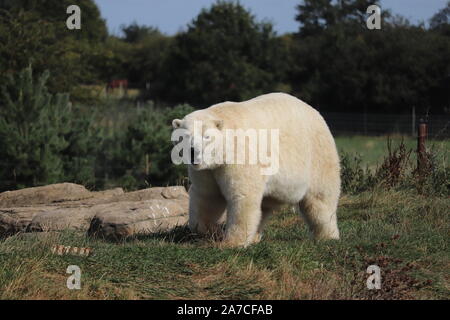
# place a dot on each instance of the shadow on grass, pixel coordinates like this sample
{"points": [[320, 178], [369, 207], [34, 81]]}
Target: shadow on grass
{"points": [[179, 234]]}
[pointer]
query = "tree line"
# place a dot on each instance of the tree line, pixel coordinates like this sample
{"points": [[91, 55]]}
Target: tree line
{"points": [[54, 128], [334, 62]]}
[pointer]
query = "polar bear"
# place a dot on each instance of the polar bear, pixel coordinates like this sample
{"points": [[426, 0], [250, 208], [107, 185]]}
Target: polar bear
{"points": [[308, 172]]}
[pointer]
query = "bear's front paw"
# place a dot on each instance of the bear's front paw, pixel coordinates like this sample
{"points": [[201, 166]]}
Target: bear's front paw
{"points": [[257, 238], [226, 244], [332, 234], [238, 242]]}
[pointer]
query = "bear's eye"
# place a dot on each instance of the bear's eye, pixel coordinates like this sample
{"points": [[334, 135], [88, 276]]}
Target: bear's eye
{"points": [[207, 138]]}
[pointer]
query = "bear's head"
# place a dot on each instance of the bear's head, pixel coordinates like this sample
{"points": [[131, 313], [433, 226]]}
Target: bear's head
{"points": [[199, 137]]}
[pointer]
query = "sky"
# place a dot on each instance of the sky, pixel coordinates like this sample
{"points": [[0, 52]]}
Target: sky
{"points": [[171, 16]]}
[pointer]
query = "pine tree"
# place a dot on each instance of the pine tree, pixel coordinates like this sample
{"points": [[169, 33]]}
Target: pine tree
{"points": [[33, 124], [146, 148]]}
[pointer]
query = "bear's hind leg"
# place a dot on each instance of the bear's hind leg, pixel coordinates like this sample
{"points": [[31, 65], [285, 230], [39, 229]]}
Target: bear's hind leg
{"points": [[320, 214], [268, 207]]}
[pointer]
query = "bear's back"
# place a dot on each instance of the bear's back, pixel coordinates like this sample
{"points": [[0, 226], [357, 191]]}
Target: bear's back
{"points": [[273, 110]]}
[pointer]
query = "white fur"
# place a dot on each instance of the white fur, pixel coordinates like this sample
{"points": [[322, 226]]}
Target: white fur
{"points": [[308, 173]]}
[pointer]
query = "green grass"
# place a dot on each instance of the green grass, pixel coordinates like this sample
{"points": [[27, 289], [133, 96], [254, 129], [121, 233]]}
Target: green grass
{"points": [[373, 149], [405, 235]]}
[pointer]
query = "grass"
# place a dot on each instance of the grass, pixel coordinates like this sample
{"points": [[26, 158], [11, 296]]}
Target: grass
{"points": [[373, 149], [404, 233], [406, 236]]}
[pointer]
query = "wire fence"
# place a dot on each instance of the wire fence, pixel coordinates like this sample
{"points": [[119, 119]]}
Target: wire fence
{"points": [[340, 123], [370, 124], [108, 173]]}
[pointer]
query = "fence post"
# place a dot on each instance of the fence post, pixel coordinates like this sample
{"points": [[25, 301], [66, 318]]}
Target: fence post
{"points": [[365, 123], [147, 165], [421, 151]]}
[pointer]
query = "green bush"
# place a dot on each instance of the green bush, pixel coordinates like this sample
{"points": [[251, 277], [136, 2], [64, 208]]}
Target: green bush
{"points": [[434, 177], [148, 146], [138, 155], [83, 138], [398, 171], [355, 178]]}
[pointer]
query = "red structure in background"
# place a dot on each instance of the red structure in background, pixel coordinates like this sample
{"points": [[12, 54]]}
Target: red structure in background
{"points": [[117, 83]]}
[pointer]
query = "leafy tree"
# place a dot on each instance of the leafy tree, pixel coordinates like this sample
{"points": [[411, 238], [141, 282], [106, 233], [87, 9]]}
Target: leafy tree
{"points": [[33, 32], [135, 33], [83, 139], [316, 16], [441, 20], [146, 51], [224, 55], [112, 64], [54, 12], [343, 66]]}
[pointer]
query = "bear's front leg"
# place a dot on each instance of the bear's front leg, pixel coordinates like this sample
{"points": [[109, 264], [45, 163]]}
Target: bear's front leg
{"points": [[243, 218], [205, 211], [243, 188]]}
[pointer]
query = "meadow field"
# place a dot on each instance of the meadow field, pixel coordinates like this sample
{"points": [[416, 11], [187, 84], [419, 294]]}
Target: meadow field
{"points": [[373, 149], [88, 96], [403, 232]]}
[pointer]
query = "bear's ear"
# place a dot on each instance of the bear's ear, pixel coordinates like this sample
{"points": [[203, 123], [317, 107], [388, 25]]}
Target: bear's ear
{"points": [[218, 124], [176, 123]]}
